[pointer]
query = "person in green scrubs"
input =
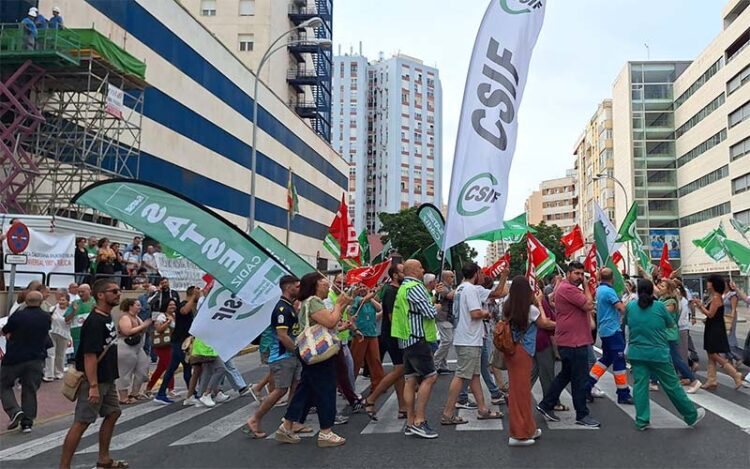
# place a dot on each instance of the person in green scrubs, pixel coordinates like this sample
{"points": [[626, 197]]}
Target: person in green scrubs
{"points": [[648, 353]]}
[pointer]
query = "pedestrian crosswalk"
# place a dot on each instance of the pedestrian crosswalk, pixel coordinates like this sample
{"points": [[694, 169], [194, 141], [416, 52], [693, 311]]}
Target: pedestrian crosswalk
{"points": [[191, 426]]}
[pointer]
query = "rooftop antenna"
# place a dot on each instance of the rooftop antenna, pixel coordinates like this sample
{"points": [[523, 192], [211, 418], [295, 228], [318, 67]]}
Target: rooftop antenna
{"points": [[648, 51]]}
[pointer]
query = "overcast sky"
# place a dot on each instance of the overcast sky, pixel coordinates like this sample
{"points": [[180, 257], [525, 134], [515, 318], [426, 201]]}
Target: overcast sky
{"points": [[582, 47]]}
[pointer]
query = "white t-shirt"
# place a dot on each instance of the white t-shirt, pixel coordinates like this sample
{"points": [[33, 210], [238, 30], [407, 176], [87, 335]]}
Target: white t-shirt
{"points": [[683, 322], [469, 331], [148, 262]]}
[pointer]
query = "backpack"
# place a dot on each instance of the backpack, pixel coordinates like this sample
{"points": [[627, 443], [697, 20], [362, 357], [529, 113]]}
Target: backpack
{"points": [[502, 337]]}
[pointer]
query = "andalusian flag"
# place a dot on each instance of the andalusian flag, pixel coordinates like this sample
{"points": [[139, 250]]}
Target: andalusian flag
{"points": [[627, 230], [364, 247], [292, 200], [382, 255], [605, 237], [513, 231], [739, 253], [742, 228], [542, 259], [711, 245]]}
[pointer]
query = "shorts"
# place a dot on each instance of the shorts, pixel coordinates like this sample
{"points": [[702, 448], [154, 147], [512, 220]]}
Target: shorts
{"points": [[390, 345], [264, 357], [469, 361], [285, 371], [497, 361], [418, 361], [108, 403]]}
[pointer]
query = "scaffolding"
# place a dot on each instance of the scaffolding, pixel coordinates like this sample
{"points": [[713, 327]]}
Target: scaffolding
{"points": [[59, 132]]}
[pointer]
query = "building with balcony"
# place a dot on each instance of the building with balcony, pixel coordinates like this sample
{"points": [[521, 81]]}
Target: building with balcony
{"points": [[387, 117], [555, 202], [594, 161], [301, 75]]}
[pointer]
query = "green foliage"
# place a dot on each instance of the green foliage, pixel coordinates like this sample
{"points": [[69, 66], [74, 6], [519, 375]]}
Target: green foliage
{"points": [[409, 236], [549, 236]]}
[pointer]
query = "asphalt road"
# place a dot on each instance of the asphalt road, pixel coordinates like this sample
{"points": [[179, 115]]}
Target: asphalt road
{"points": [[150, 436]]}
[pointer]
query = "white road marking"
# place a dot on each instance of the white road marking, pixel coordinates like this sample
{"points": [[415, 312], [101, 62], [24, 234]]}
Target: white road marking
{"points": [[567, 418], [474, 423], [729, 411], [218, 429], [660, 417], [725, 380], [388, 421]]}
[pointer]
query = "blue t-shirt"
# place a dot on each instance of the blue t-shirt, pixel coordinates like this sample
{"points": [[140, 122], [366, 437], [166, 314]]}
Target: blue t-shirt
{"points": [[282, 317], [607, 316], [56, 22], [29, 27], [367, 321]]}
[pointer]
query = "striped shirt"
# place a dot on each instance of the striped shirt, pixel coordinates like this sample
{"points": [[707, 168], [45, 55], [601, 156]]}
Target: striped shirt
{"points": [[420, 306]]}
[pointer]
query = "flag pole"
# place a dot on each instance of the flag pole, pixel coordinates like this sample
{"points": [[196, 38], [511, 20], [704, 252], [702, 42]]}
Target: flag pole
{"points": [[289, 207]]}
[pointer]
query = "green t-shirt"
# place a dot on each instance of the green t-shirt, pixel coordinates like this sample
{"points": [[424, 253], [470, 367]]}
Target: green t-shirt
{"points": [[648, 332], [309, 306], [367, 321], [84, 308], [673, 333]]}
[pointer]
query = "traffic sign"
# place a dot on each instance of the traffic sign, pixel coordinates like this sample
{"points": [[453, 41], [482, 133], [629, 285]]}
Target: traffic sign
{"points": [[18, 237], [16, 259]]}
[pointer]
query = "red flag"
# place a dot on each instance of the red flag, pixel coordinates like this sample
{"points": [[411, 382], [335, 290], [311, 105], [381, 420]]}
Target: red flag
{"points": [[368, 276], [209, 279], [495, 269], [616, 257], [666, 267], [590, 262], [572, 241], [344, 233]]}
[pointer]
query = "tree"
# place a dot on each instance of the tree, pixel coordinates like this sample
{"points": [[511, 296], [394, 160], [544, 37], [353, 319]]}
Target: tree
{"points": [[408, 236], [549, 236]]}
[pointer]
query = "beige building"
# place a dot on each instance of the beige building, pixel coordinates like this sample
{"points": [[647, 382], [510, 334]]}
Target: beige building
{"points": [[533, 208], [558, 201], [681, 134], [299, 75], [594, 163], [494, 252]]}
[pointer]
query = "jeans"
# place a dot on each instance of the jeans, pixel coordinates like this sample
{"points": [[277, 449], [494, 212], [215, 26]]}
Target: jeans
{"points": [[178, 356], [487, 377], [446, 340], [317, 387], [679, 363], [233, 375], [613, 354], [575, 370], [29, 374]]}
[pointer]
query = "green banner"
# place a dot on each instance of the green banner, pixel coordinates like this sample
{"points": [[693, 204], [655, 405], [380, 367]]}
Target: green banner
{"points": [[200, 235], [435, 224], [283, 255]]}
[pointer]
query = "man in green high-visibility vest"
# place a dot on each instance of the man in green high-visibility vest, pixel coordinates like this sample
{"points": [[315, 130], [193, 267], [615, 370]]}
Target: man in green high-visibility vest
{"points": [[413, 324]]}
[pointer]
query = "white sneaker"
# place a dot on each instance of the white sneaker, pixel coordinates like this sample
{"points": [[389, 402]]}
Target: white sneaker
{"points": [[220, 397], [515, 442], [207, 401], [537, 434], [653, 387], [191, 401], [701, 414], [693, 387], [598, 393]]}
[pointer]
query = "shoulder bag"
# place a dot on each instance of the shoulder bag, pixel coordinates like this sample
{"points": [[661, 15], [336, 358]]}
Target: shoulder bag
{"points": [[316, 343], [71, 382]]}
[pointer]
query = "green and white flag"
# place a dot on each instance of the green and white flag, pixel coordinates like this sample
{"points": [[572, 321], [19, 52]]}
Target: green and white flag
{"points": [[605, 237], [742, 228], [364, 247], [248, 272], [739, 253], [512, 232], [432, 219], [711, 245], [383, 255], [283, 255], [628, 229], [332, 245]]}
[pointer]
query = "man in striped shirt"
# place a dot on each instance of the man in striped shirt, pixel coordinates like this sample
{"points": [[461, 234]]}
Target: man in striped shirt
{"points": [[414, 326]]}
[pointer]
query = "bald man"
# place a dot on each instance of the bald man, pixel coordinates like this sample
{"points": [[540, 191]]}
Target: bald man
{"points": [[414, 326], [27, 332], [609, 311]]}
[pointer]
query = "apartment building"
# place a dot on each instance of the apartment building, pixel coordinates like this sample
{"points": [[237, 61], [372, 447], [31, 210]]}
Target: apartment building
{"points": [[555, 202]]}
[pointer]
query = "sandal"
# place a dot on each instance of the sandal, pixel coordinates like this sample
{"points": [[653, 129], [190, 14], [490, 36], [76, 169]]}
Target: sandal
{"points": [[561, 408], [370, 411], [329, 440], [302, 429], [401, 414], [490, 415], [254, 434], [452, 420], [113, 463]]}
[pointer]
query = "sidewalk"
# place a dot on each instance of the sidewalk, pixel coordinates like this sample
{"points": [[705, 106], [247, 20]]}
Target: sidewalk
{"points": [[51, 404]]}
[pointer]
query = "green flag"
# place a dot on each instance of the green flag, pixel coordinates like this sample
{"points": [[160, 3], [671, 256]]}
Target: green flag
{"points": [[604, 237], [627, 230], [513, 231], [742, 228], [739, 253], [433, 258], [383, 255], [711, 245], [170, 253], [364, 247], [285, 256], [433, 220], [332, 245], [234, 259]]}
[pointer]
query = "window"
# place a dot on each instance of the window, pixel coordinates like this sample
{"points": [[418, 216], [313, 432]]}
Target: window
{"points": [[702, 148], [704, 181], [738, 80], [738, 45], [246, 42], [739, 115], [247, 7], [741, 184], [739, 149], [707, 214], [700, 115], [208, 7], [712, 70], [743, 217]]}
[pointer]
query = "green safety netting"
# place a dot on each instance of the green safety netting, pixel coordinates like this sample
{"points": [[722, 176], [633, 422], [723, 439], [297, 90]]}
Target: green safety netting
{"points": [[116, 55]]}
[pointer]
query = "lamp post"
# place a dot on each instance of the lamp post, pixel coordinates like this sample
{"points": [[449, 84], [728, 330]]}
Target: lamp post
{"points": [[272, 48], [627, 201]]}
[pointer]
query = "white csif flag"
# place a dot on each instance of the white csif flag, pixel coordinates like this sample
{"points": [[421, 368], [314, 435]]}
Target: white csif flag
{"points": [[487, 130]]}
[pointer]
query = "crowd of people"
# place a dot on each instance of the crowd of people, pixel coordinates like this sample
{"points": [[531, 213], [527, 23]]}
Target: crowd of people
{"points": [[132, 267], [414, 318]]}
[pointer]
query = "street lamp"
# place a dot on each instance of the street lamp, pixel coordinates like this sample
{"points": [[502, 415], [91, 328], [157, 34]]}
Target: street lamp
{"points": [[627, 201], [272, 48]]}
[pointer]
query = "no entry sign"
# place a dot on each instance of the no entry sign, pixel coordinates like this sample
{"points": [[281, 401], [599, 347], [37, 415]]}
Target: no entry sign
{"points": [[18, 237]]}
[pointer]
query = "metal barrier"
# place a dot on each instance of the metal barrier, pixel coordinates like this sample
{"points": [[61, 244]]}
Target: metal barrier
{"points": [[24, 272], [88, 276]]}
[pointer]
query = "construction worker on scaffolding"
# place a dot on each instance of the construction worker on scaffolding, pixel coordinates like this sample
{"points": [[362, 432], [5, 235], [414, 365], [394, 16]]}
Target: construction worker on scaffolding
{"points": [[29, 29]]}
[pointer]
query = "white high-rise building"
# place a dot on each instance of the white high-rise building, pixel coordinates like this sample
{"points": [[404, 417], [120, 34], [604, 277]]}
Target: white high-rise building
{"points": [[387, 123]]}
